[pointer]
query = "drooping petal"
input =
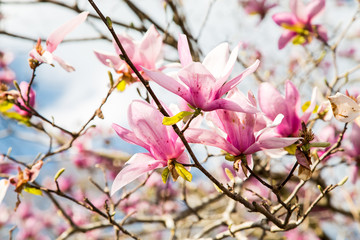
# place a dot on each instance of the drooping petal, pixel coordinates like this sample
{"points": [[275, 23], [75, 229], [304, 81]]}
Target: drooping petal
{"points": [[59, 34], [169, 84], [129, 136], [305, 117], [209, 138], [345, 109], [215, 61], [184, 51], [138, 165], [284, 19], [4, 184], [109, 59], [150, 48], [285, 37], [314, 8], [64, 64]]}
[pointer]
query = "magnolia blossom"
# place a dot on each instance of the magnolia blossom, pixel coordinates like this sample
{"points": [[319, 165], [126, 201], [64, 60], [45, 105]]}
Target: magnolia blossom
{"points": [[272, 103], [202, 85], [161, 142], [298, 24], [24, 92], [345, 108], [55, 38], [237, 132], [6, 74], [260, 7], [144, 53]]}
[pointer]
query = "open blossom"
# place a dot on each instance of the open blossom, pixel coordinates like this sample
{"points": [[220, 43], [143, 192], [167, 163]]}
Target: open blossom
{"points": [[272, 103], [24, 92], [6, 74], [298, 24], [144, 53], [161, 141], [260, 7], [240, 135], [345, 107], [55, 38], [202, 85]]}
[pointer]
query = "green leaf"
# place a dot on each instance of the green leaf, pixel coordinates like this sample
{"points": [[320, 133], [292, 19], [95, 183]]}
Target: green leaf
{"points": [[121, 86], [58, 174], [18, 117], [174, 119], [181, 170], [109, 22], [165, 175], [5, 105], [291, 149], [32, 190]]}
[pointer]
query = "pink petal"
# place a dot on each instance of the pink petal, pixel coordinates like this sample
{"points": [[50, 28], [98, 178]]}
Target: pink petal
{"points": [[305, 117], [285, 37], [209, 138], [292, 97], [4, 184], [146, 122], [46, 57], [284, 18], [64, 64], [321, 30], [236, 80], [138, 165], [200, 82], [270, 101], [169, 84], [298, 8], [150, 48], [245, 106], [109, 59], [184, 51], [215, 61], [35, 170], [59, 34], [314, 8], [129, 136], [229, 65]]}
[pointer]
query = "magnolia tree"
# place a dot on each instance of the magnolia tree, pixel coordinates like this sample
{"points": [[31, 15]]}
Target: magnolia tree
{"points": [[256, 140]]}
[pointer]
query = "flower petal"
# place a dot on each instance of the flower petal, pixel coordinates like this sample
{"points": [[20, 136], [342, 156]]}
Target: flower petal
{"points": [[129, 136], [305, 117], [184, 51], [244, 106], [298, 8], [150, 48], [109, 59], [270, 100], [284, 18], [236, 80], [64, 64], [314, 8], [209, 138], [345, 109], [215, 61], [59, 34], [285, 37], [138, 165], [169, 84], [4, 184]]}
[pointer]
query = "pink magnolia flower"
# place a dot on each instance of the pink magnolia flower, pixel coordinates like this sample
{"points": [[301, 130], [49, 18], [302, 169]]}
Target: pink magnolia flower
{"points": [[144, 53], [298, 24], [161, 141], [202, 85], [272, 103], [6, 74], [345, 107], [24, 92], [239, 135], [55, 38], [260, 7]]}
